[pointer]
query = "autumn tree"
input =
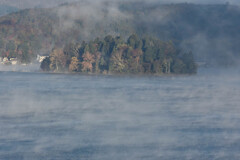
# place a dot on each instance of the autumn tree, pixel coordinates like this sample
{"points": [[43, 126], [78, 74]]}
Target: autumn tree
{"points": [[71, 50], [74, 65], [135, 61], [87, 63], [117, 63], [58, 60]]}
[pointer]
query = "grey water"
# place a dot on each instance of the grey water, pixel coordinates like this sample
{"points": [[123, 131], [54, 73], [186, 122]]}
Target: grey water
{"points": [[85, 117]]}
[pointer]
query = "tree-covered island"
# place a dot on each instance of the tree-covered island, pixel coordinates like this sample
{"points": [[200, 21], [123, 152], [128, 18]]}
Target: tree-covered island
{"points": [[114, 55]]}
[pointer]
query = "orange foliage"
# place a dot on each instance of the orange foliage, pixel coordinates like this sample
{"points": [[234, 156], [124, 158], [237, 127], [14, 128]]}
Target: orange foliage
{"points": [[74, 64], [88, 60], [58, 59]]}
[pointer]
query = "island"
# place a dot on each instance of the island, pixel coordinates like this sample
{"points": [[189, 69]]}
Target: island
{"points": [[113, 55]]}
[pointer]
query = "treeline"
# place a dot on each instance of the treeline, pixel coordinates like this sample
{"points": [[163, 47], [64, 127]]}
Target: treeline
{"points": [[113, 55], [23, 51]]}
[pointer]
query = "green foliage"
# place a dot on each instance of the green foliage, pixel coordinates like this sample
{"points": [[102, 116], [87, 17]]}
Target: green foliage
{"points": [[92, 47], [135, 42], [25, 56], [114, 55], [2, 43], [132, 40], [11, 47], [45, 65], [71, 50], [157, 67], [149, 55]]}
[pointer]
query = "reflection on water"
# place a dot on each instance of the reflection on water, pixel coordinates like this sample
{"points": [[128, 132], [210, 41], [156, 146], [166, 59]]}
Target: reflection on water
{"points": [[56, 116]]}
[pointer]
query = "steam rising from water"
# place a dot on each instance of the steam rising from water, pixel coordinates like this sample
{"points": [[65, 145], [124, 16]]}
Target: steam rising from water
{"points": [[54, 116], [89, 16], [20, 68]]}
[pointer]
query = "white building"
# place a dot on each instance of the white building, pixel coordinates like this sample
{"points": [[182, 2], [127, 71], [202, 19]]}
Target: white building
{"points": [[13, 61], [41, 58], [5, 60]]}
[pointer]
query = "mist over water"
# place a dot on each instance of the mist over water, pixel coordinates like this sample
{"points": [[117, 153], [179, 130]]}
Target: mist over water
{"points": [[59, 116], [34, 67]]}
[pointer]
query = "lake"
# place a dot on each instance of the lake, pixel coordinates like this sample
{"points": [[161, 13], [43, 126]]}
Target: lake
{"points": [[73, 117]]}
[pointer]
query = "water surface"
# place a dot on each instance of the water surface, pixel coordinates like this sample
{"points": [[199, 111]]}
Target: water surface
{"points": [[72, 117]]}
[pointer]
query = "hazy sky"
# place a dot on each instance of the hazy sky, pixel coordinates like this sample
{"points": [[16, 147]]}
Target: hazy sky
{"points": [[48, 3]]}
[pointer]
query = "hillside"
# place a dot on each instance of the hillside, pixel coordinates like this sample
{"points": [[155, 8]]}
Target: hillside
{"points": [[211, 32]]}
